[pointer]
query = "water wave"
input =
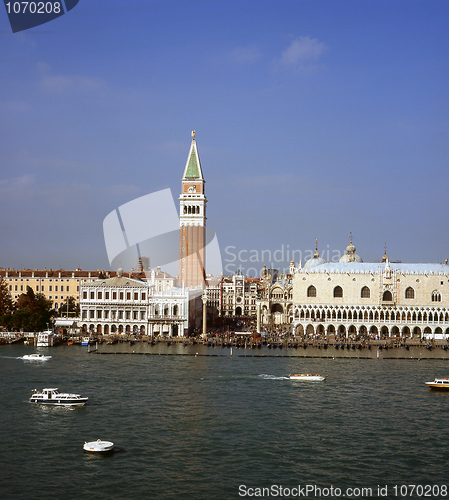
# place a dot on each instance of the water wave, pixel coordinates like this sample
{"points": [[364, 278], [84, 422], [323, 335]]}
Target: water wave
{"points": [[264, 376]]}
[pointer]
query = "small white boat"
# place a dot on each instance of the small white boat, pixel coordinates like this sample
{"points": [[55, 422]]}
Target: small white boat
{"points": [[99, 446], [441, 384], [36, 357], [53, 397], [307, 376]]}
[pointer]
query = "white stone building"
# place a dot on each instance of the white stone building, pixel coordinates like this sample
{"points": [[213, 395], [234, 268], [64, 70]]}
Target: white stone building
{"points": [[125, 305], [376, 300]]}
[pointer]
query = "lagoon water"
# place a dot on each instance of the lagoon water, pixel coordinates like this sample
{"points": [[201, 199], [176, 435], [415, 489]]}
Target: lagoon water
{"points": [[213, 427]]}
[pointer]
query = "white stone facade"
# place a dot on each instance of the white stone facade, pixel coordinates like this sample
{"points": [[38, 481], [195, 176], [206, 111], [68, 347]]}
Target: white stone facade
{"points": [[372, 300], [124, 305]]}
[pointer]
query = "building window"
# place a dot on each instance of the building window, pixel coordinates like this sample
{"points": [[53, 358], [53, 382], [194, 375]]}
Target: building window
{"points": [[50, 288], [56, 288], [92, 295], [67, 288], [99, 314], [114, 295], [365, 293], [100, 295], [121, 295], [143, 296], [409, 293], [91, 314], [387, 297], [338, 291], [106, 314], [85, 295], [311, 291], [128, 295], [106, 295], [128, 314], [136, 296], [135, 313], [436, 296]]}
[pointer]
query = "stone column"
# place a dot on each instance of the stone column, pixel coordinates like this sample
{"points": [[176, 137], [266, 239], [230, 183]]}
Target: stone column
{"points": [[258, 316], [204, 313]]}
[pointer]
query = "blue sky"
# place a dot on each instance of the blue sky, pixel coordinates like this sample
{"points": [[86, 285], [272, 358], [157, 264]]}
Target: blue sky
{"points": [[313, 119]]}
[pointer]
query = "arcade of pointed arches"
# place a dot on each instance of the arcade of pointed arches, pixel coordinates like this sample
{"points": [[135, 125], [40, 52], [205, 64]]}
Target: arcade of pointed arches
{"points": [[370, 320]]}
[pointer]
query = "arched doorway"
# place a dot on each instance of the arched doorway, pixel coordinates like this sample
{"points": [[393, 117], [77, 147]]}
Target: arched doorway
{"points": [[299, 330], [238, 311], [310, 331], [277, 311]]}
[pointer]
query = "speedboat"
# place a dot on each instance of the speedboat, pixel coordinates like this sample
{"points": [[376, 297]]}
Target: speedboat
{"points": [[441, 384], [54, 397], [98, 446], [36, 356], [307, 376]]}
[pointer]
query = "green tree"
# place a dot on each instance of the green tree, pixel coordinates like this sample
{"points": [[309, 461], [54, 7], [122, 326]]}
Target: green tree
{"points": [[33, 311], [6, 302], [70, 308], [6, 305]]}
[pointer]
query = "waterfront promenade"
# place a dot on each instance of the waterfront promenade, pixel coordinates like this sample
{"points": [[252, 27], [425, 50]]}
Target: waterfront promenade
{"points": [[373, 349]]}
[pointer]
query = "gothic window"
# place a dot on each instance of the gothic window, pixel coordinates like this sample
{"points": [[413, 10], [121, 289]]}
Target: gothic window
{"points": [[387, 297], [365, 293], [409, 293], [311, 291], [338, 291], [436, 296]]}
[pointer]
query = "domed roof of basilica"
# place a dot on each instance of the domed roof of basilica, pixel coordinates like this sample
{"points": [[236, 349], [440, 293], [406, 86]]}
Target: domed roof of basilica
{"points": [[350, 255], [316, 260]]}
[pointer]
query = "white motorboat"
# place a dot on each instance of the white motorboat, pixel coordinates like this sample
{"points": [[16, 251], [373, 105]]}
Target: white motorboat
{"points": [[36, 357], [53, 397], [48, 339], [99, 446], [307, 376], [441, 384]]}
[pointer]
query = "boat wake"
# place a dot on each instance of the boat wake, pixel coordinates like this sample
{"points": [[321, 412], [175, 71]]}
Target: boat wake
{"points": [[272, 377]]}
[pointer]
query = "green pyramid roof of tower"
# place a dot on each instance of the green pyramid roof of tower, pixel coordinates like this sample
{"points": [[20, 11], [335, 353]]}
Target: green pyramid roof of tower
{"points": [[192, 168]]}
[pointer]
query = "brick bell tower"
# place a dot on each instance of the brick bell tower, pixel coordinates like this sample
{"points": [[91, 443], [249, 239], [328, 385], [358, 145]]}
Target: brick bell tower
{"points": [[192, 218]]}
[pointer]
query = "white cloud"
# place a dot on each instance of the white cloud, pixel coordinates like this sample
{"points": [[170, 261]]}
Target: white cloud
{"points": [[302, 54], [17, 183], [67, 83]]}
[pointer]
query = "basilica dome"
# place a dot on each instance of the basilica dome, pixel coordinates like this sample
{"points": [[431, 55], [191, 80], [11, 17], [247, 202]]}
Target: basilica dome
{"points": [[316, 260], [350, 255]]}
